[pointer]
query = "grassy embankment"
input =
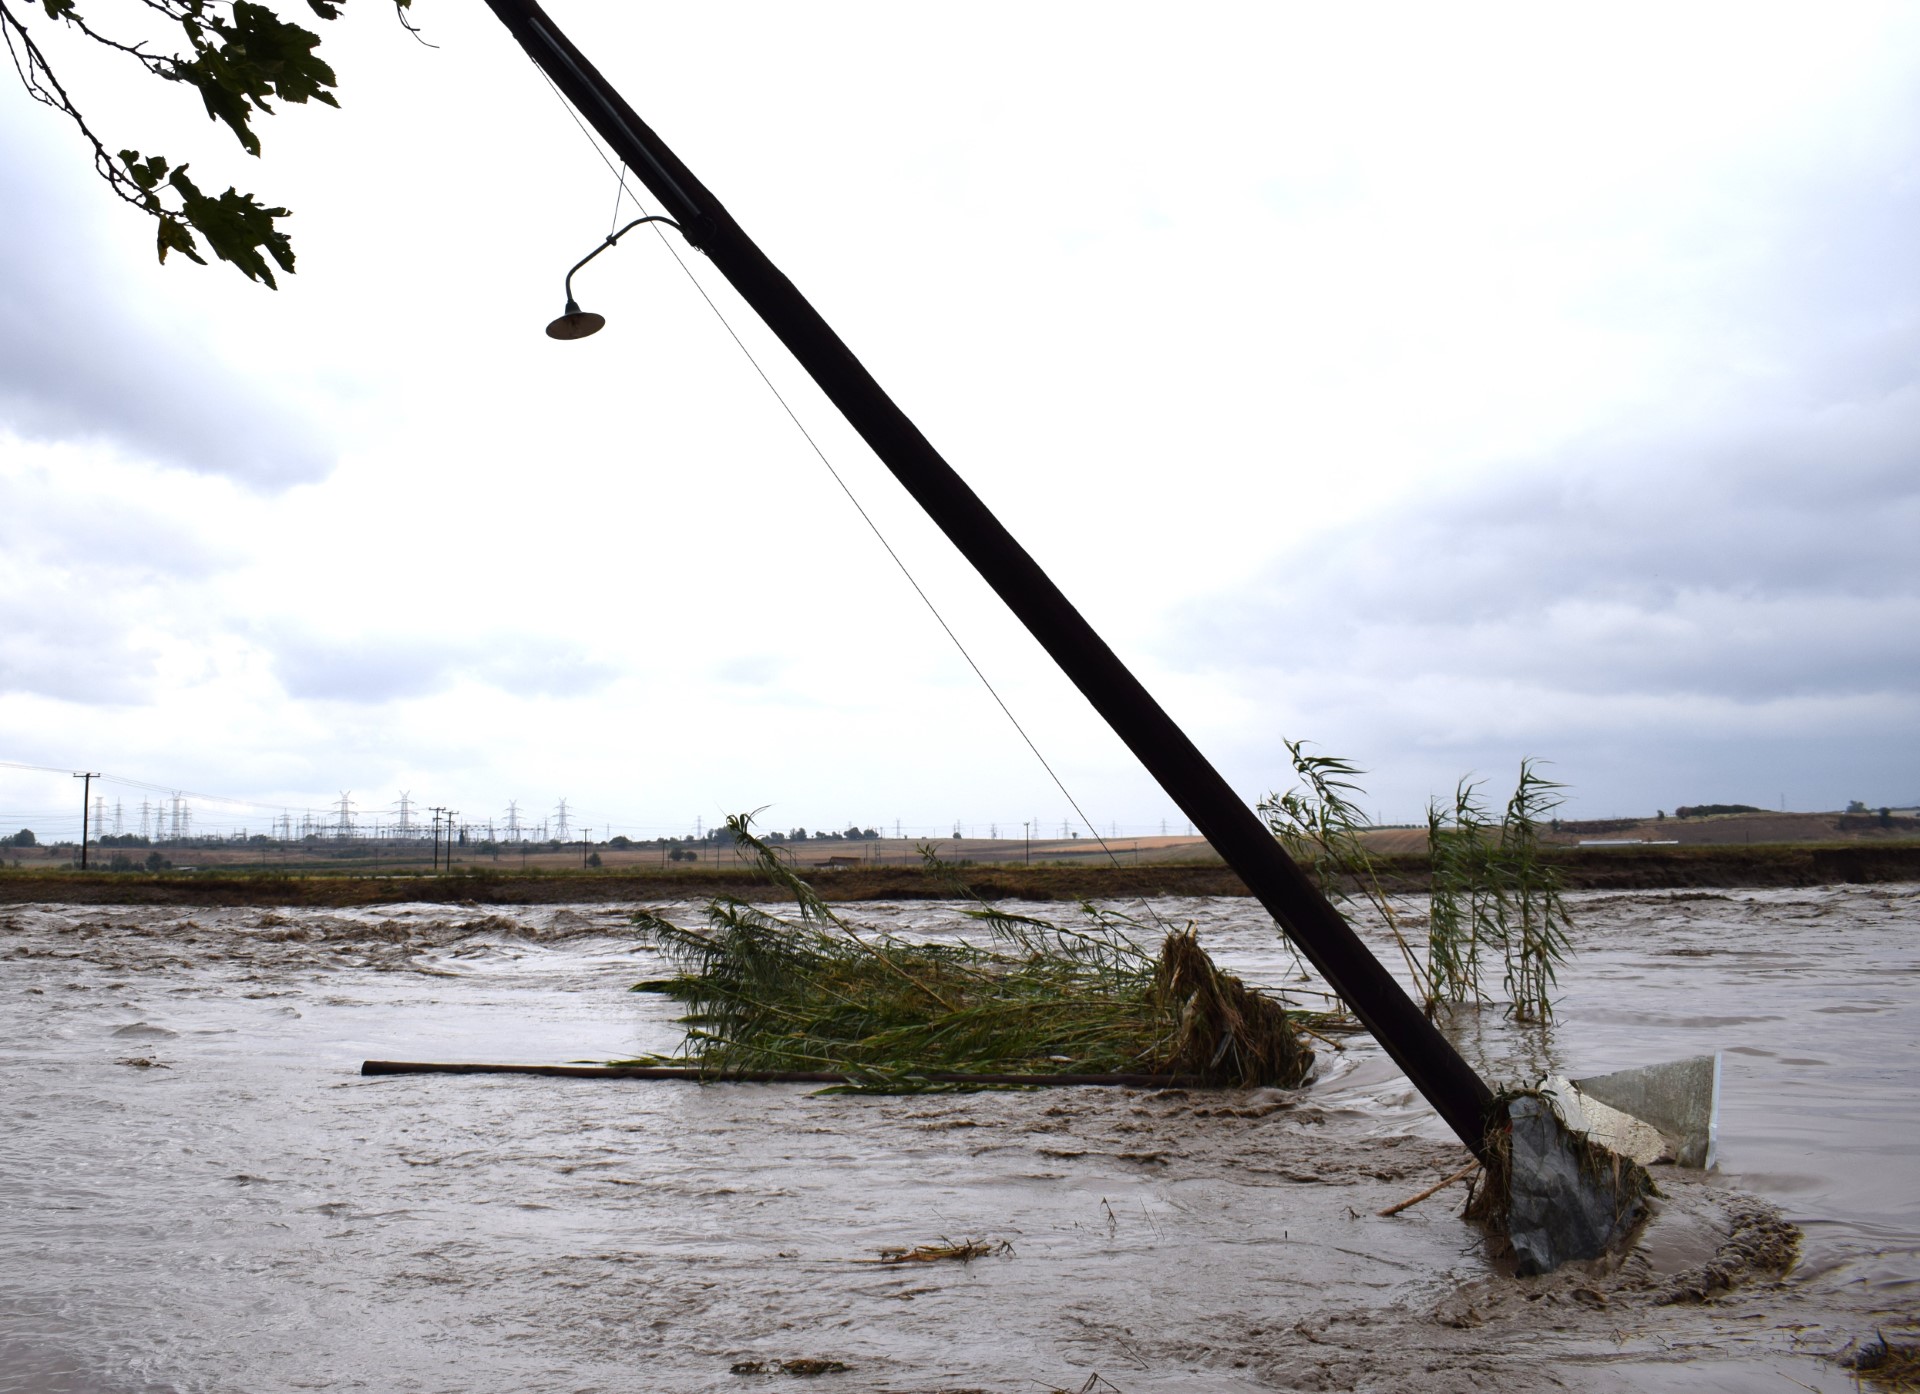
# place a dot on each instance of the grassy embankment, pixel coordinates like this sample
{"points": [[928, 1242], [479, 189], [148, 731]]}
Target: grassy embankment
{"points": [[1593, 868]]}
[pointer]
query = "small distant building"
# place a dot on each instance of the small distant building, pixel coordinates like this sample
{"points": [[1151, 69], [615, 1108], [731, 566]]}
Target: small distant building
{"points": [[840, 863]]}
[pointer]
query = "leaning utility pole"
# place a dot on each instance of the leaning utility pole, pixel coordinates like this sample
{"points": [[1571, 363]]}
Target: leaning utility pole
{"points": [[87, 777], [1233, 828]]}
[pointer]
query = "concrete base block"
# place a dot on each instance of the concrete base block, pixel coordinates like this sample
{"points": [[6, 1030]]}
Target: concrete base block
{"points": [[1680, 1098]]}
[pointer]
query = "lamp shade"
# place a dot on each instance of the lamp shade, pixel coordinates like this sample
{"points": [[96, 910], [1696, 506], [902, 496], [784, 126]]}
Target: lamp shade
{"points": [[576, 323]]}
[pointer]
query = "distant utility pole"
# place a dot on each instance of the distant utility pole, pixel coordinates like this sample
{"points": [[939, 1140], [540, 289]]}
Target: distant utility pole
{"points": [[1026, 831], [86, 789], [585, 834], [436, 810]]}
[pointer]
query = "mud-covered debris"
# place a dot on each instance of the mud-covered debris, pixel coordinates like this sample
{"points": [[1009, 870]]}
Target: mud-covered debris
{"points": [[964, 1252], [790, 1367], [1761, 1243], [1886, 1365]]}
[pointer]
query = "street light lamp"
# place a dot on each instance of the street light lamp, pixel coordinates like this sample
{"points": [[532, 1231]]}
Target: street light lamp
{"points": [[576, 323]]}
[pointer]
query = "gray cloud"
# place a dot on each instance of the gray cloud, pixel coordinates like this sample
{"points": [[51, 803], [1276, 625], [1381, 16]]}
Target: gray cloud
{"points": [[390, 668], [71, 645], [750, 670], [1625, 569], [1686, 613], [79, 363], [90, 538]]}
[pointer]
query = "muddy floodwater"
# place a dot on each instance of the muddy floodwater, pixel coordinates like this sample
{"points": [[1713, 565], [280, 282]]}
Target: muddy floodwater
{"points": [[199, 1193]]}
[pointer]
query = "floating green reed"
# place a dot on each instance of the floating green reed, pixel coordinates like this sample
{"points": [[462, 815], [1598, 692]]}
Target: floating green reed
{"points": [[810, 990]]}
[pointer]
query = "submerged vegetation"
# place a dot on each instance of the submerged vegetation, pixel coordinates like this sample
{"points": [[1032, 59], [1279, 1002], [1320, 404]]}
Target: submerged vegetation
{"points": [[1493, 892], [811, 990]]}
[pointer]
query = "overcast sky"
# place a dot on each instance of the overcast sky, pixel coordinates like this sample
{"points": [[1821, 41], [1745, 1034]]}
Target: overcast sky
{"points": [[1443, 389]]}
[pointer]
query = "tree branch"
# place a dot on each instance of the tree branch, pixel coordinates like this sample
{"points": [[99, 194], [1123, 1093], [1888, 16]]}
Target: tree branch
{"points": [[242, 53]]}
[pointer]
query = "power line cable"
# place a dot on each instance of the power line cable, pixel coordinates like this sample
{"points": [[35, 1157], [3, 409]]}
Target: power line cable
{"points": [[620, 175]]}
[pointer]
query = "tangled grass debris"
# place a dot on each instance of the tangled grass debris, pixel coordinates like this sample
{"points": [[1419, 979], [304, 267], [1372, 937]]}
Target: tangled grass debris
{"points": [[813, 991], [1886, 1365], [966, 1251], [802, 1368]]}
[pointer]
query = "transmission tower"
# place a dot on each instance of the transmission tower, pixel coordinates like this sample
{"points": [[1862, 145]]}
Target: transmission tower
{"points": [[99, 816], [406, 814], [513, 820], [119, 825], [560, 820], [346, 814]]}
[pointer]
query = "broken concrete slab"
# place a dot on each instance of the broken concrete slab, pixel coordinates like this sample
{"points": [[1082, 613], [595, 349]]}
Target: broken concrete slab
{"points": [[1681, 1098], [1612, 1129]]}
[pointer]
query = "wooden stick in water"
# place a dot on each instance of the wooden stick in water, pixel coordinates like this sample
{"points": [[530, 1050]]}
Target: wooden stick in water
{"points": [[1432, 1190], [421, 1067]]}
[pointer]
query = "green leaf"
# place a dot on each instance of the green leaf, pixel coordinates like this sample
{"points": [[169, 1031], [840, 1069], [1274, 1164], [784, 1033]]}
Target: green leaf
{"points": [[175, 237], [237, 228], [240, 62], [282, 53], [147, 174]]}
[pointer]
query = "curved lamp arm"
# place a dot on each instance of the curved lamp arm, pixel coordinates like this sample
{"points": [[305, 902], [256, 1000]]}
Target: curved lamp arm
{"points": [[576, 323]]}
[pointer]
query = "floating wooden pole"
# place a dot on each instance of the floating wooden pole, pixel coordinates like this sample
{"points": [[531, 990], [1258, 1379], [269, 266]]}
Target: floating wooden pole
{"points": [[699, 1076]]}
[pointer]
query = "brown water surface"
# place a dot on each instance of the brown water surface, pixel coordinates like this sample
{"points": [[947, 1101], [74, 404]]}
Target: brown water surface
{"points": [[202, 1195]]}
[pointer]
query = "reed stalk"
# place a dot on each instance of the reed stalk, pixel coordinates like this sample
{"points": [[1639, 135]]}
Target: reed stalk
{"points": [[1493, 894], [814, 991]]}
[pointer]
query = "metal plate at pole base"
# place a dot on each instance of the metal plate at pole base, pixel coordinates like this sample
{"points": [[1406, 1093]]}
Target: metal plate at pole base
{"points": [[1567, 1199]]}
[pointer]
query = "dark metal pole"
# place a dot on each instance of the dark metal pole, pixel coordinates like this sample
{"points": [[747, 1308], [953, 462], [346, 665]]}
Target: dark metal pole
{"points": [[1435, 1068], [86, 778]]}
